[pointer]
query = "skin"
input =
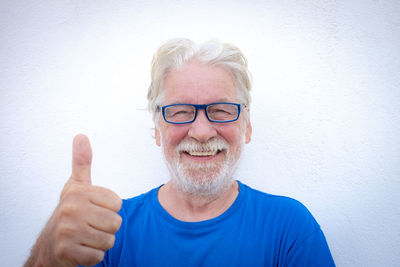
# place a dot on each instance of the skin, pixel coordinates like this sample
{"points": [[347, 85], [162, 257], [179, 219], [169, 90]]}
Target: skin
{"points": [[197, 83], [84, 223]]}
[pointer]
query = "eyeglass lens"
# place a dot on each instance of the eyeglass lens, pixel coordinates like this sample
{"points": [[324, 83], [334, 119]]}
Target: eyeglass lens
{"points": [[216, 112]]}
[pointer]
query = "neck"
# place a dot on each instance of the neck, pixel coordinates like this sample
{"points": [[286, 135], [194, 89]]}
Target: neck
{"points": [[193, 208]]}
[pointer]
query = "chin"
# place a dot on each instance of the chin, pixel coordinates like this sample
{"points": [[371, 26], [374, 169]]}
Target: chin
{"points": [[204, 179]]}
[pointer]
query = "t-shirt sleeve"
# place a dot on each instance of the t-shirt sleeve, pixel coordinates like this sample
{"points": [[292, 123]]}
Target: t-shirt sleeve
{"points": [[307, 245], [312, 251]]}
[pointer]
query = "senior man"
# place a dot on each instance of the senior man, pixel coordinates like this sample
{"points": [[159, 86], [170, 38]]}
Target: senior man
{"points": [[199, 97]]}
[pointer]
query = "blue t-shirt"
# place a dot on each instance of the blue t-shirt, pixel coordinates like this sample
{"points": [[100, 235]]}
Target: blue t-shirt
{"points": [[259, 229]]}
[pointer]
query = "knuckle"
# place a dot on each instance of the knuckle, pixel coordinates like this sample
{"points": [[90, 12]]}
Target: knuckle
{"points": [[68, 209], [109, 242], [116, 223], [115, 202], [99, 256], [118, 203], [78, 189], [69, 193], [64, 233], [61, 251], [93, 258], [72, 203], [63, 230]]}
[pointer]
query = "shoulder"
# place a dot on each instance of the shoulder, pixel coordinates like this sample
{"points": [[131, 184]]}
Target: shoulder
{"points": [[292, 225], [272, 201], [280, 209]]}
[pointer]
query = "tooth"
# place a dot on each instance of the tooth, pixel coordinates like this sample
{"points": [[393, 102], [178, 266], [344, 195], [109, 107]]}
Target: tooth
{"points": [[202, 153]]}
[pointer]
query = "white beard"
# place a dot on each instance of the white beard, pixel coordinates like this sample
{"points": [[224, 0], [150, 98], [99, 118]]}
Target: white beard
{"points": [[204, 179]]}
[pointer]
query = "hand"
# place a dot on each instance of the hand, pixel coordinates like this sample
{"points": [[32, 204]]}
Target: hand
{"points": [[83, 224]]}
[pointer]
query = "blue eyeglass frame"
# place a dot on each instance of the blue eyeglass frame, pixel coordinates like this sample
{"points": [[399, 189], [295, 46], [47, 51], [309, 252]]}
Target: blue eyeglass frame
{"points": [[197, 107]]}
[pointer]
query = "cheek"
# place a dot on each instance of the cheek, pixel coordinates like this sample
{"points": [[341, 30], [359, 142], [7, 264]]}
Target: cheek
{"points": [[235, 136], [172, 136], [232, 134]]}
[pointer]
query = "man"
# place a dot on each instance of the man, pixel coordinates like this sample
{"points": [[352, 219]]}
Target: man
{"points": [[199, 96]]}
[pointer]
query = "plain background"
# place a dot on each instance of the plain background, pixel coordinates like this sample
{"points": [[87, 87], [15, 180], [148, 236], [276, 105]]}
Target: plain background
{"points": [[325, 110]]}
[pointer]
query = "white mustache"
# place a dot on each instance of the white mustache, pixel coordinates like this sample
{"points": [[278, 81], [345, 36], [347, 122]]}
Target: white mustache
{"points": [[214, 144]]}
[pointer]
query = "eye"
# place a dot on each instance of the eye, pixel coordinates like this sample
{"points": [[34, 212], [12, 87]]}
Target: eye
{"points": [[179, 112], [222, 111]]}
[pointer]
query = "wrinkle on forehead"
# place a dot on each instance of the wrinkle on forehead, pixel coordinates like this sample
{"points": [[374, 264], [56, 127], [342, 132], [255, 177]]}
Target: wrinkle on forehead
{"points": [[199, 82]]}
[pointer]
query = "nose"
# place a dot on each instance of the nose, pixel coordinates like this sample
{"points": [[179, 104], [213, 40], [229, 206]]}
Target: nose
{"points": [[201, 129]]}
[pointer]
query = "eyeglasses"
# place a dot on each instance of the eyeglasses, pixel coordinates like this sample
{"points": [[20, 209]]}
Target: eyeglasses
{"points": [[187, 113]]}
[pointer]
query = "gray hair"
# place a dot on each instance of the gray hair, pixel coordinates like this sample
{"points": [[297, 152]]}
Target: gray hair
{"points": [[177, 52]]}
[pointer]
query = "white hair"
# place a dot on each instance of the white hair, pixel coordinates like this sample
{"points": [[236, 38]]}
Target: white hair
{"points": [[204, 179], [177, 52]]}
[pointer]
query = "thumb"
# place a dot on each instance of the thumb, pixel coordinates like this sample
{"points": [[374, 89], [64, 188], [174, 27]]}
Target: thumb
{"points": [[81, 159]]}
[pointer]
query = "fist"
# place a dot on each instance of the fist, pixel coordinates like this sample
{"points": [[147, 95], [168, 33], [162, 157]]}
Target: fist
{"points": [[84, 224]]}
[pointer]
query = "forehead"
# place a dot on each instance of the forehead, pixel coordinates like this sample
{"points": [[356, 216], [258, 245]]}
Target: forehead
{"points": [[199, 83]]}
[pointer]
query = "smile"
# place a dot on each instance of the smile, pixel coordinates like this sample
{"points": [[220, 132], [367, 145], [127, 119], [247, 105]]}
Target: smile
{"points": [[202, 153]]}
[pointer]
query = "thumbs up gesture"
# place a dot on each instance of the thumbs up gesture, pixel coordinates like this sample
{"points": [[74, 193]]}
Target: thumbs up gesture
{"points": [[83, 224]]}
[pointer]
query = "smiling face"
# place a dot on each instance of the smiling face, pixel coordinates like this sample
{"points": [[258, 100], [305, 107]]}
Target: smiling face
{"points": [[201, 156]]}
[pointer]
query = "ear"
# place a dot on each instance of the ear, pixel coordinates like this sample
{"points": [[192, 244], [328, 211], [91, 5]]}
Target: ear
{"points": [[157, 136], [249, 129]]}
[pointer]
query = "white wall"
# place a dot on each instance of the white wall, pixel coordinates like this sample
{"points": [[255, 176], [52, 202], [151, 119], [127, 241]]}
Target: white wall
{"points": [[325, 112]]}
